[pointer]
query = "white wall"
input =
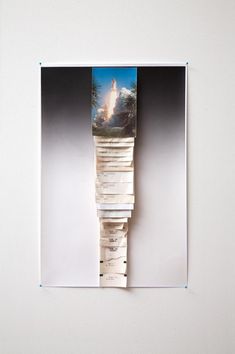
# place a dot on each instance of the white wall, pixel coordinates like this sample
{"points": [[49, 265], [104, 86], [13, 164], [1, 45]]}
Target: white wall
{"points": [[199, 319]]}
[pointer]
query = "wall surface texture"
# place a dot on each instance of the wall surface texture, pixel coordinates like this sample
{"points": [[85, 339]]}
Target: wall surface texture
{"points": [[197, 320]]}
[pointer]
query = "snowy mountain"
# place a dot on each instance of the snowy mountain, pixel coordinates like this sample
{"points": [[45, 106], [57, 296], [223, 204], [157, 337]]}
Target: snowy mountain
{"points": [[121, 100]]}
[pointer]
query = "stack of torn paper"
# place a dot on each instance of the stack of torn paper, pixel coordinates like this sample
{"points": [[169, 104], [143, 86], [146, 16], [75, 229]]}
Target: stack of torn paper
{"points": [[115, 202]]}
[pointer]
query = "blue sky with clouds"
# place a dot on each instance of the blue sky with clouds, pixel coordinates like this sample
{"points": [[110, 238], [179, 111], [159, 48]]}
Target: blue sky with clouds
{"points": [[123, 76]]}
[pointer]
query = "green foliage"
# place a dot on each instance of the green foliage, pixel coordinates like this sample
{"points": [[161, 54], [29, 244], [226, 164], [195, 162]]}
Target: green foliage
{"points": [[130, 101], [95, 93]]}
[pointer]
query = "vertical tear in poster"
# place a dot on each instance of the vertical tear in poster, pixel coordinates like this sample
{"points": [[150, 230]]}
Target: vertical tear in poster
{"points": [[114, 108]]}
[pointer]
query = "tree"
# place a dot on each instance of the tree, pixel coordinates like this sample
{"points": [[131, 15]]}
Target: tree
{"points": [[130, 101], [95, 93]]}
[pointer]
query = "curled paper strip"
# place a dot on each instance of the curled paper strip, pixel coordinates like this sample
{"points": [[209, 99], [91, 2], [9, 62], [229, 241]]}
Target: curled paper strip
{"points": [[108, 253], [115, 145], [116, 159], [113, 280], [112, 220], [113, 232], [114, 188], [115, 176], [104, 206], [114, 213], [113, 241], [100, 139], [113, 266], [113, 225], [109, 198], [114, 168]]}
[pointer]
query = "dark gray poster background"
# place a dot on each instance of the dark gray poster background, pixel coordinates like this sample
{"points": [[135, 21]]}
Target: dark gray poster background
{"points": [[157, 247]]}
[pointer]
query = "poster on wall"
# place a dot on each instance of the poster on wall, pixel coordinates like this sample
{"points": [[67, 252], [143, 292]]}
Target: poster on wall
{"points": [[113, 176]]}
